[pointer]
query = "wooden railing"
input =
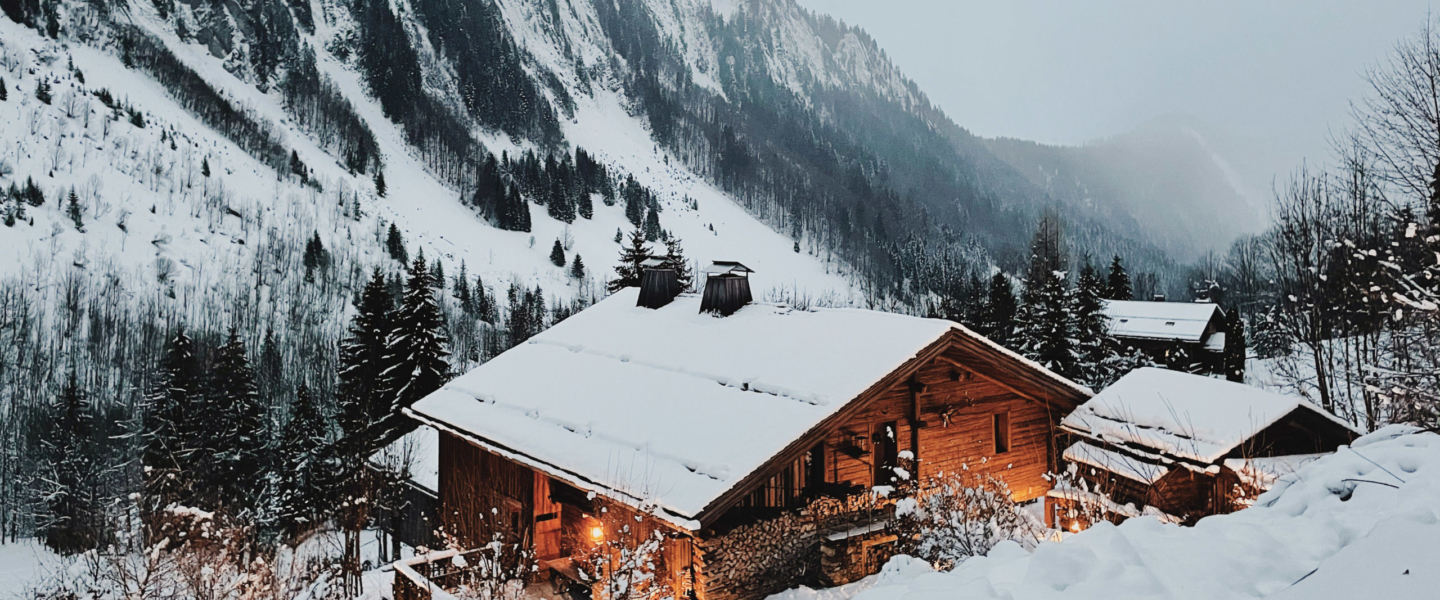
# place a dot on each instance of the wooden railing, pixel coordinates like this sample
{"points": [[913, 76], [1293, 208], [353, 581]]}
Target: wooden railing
{"points": [[423, 577]]}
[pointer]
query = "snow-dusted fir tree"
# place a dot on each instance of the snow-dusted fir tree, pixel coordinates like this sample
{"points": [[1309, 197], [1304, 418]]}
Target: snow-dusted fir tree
{"points": [[675, 260], [557, 254], [416, 363], [627, 273], [169, 443], [240, 438], [1094, 345], [577, 268], [71, 519], [997, 316], [395, 244], [652, 225], [363, 355], [304, 464], [1234, 354], [1045, 326], [1117, 284]]}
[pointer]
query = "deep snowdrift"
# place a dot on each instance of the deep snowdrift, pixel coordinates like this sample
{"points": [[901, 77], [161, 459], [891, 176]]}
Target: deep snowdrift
{"points": [[1361, 523]]}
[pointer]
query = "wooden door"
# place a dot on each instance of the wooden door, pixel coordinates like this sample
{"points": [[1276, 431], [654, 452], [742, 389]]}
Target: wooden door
{"points": [[547, 520]]}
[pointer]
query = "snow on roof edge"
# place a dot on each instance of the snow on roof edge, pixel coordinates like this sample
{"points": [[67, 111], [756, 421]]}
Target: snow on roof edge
{"points": [[685, 522], [1025, 361]]}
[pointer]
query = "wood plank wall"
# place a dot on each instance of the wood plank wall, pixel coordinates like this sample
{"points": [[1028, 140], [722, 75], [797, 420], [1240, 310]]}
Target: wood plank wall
{"points": [[957, 408], [480, 493]]}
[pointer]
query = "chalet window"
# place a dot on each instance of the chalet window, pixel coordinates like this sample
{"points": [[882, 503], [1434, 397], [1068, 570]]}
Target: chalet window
{"points": [[886, 452], [1002, 432]]}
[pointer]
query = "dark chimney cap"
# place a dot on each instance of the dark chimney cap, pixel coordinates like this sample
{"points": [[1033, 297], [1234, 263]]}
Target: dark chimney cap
{"points": [[726, 267], [658, 285], [727, 287]]}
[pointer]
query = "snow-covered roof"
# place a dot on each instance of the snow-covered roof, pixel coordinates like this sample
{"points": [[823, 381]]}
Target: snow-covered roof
{"points": [[672, 406], [1182, 415], [1183, 321], [1115, 462], [417, 453]]}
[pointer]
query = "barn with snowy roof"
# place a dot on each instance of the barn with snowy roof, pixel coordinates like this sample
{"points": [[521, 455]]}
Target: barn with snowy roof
{"points": [[1182, 446], [721, 431]]}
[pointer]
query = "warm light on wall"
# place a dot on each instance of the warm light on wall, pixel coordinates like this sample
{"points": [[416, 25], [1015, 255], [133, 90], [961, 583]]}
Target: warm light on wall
{"points": [[597, 533]]}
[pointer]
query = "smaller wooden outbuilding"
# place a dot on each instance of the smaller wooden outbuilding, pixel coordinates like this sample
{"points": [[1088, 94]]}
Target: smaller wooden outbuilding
{"points": [[1182, 446]]}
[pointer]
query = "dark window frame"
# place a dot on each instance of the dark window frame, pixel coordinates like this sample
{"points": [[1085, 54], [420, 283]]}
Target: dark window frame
{"points": [[1000, 432]]}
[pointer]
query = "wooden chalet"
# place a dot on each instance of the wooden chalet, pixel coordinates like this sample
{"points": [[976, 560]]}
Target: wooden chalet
{"points": [[1183, 336], [724, 434], [1181, 446]]}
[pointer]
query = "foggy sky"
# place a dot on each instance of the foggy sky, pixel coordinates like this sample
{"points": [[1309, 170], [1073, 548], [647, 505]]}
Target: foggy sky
{"points": [[1274, 77]]}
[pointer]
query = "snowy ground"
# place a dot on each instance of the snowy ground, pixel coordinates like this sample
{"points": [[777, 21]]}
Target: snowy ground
{"points": [[1360, 523]]}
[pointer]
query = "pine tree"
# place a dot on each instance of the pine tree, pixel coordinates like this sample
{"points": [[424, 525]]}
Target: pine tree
{"points": [[1095, 346], [363, 355], [675, 261], [205, 166], [170, 446], [584, 205], [72, 515], [32, 193], [415, 365], [72, 210], [627, 273], [577, 268], [461, 291], [997, 316], [1045, 326], [4, 93], [437, 274], [1117, 285], [316, 257], [395, 245], [42, 91], [1234, 353], [557, 254], [380, 182], [241, 438], [652, 225], [520, 210], [303, 458], [486, 309], [298, 168]]}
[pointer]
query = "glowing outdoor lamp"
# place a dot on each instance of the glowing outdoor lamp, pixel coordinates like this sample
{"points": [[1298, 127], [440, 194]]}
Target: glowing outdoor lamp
{"points": [[597, 534]]}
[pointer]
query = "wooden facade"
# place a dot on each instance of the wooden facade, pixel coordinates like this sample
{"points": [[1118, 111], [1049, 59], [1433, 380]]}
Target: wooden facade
{"points": [[959, 404]]}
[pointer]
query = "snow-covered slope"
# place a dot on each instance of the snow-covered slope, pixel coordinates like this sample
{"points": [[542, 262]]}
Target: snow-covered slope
{"points": [[143, 198], [1360, 523]]}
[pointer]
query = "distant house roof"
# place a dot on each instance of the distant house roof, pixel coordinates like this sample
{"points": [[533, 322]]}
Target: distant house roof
{"points": [[1183, 321], [1182, 415], [675, 407], [416, 455]]}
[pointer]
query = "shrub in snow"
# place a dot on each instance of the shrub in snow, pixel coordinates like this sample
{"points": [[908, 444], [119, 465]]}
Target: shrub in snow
{"points": [[623, 557], [956, 516]]}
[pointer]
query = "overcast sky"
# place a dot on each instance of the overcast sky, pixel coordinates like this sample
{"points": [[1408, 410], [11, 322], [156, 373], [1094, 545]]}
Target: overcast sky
{"points": [[1277, 73]]}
